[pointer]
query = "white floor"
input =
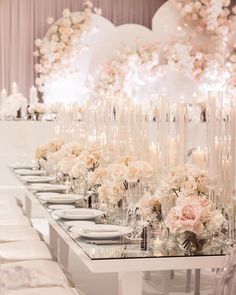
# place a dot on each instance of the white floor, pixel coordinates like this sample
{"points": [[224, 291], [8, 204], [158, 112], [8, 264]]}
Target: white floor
{"points": [[152, 285]]}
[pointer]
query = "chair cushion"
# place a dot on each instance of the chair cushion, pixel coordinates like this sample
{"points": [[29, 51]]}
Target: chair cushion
{"points": [[24, 250], [48, 272], [14, 220], [11, 233], [9, 209], [8, 200], [43, 291]]}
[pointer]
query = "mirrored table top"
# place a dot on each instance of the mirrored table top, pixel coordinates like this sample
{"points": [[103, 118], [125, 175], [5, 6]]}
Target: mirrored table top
{"points": [[125, 248]]}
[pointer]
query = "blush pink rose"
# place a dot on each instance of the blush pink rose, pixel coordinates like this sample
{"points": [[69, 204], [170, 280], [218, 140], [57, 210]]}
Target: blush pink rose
{"points": [[186, 216]]}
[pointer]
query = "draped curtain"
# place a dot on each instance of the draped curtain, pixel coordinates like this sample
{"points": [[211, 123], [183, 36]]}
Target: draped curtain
{"points": [[23, 21]]}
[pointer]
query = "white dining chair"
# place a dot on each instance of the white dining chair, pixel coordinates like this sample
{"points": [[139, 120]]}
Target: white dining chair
{"points": [[24, 250], [49, 274], [14, 220], [13, 233], [42, 291], [225, 279]]}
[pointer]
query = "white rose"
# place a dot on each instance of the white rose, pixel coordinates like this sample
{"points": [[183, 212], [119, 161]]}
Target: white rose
{"points": [[88, 158], [66, 164], [117, 171], [215, 222], [79, 169], [146, 169], [66, 12], [116, 192], [38, 42], [189, 186], [233, 58], [50, 20], [98, 176], [133, 173]]}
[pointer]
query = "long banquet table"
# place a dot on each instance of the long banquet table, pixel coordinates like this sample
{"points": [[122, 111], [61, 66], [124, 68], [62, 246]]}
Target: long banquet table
{"points": [[129, 262]]}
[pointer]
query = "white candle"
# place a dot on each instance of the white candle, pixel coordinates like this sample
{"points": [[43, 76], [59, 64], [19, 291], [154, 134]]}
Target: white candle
{"points": [[172, 152], [153, 157], [181, 130], [33, 96], [14, 88], [199, 158], [3, 97]]}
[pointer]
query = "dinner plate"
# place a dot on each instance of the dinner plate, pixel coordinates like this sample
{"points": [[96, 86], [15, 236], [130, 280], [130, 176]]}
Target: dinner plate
{"points": [[78, 223], [27, 172], [102, 231], [60, 207], [23, 166], [79, 214], [47, 187], [55, 198], [38, 179]]}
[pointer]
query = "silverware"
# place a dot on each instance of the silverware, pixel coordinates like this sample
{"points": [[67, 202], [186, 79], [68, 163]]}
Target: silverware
{"points": [[110, 242]]}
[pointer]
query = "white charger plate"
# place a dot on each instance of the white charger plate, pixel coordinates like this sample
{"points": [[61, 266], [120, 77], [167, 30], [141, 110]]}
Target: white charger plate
{"points": [[102, 231], [27, 172], [23, 166], [55, 198], [47, 187], [79, 214], [79, 223], [60, 207], [38, 179]]}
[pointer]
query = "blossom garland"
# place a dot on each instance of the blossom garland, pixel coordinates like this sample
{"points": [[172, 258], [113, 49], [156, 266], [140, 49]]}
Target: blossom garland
{"points": [[208, 15], [184, 58], [61, 43], [215, 19], [129, 67]]}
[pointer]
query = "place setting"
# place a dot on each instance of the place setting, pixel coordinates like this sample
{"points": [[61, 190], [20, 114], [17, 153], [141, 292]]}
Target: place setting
{"points": [[56, 198], [48, 187]]}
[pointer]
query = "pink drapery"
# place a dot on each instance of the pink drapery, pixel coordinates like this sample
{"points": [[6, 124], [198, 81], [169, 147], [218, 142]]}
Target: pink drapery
{"points": [[22, 21]]}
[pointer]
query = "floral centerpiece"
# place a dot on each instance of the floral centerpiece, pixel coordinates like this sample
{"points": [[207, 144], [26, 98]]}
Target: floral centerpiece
{"points": [[118, 178], [193, 220], [14, 106], [38, 110]]}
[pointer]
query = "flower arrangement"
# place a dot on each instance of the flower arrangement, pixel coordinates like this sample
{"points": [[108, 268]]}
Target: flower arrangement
{"points": [[61, 43], [69, 158], [118, 177], [187, 179], [13, 104], [194, 214], [38, 109], [44, 151]]}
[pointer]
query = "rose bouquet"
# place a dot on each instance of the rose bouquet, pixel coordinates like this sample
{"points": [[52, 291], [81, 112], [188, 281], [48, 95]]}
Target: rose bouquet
{"points": [[188, 179], [194, 219], [119, 177]]}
